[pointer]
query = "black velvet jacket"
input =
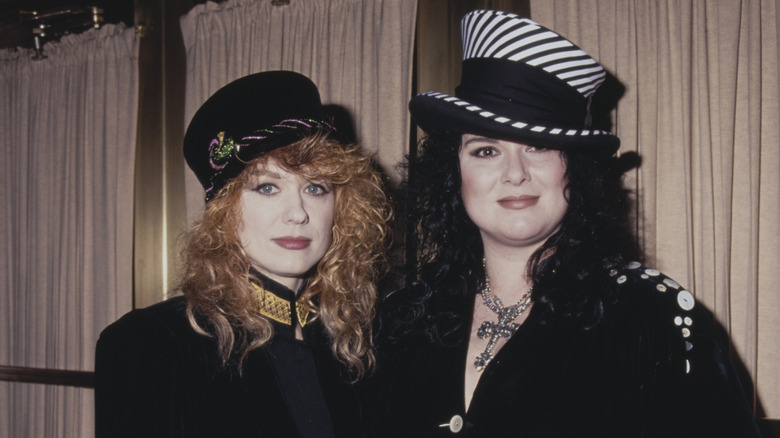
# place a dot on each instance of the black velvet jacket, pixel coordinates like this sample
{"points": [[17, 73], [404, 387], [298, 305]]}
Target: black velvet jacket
{"points": [[651, 368], [156, 377]]}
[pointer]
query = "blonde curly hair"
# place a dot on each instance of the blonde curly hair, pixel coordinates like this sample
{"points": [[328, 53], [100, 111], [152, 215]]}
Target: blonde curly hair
{"points": [[341, 292]]}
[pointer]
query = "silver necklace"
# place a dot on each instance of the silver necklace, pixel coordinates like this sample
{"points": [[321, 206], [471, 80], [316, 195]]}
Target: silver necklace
{"points": [[504, 327]]}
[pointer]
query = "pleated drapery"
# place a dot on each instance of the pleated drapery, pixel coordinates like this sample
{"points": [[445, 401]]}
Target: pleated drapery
{"points": [[359, 53], [68, 126], [701, 109]]}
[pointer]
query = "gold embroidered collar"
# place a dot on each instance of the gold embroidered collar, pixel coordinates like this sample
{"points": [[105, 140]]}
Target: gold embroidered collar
{"points": [[279, 309]]}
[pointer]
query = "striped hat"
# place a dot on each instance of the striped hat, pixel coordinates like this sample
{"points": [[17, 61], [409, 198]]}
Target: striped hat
{"points": [[520, 82]]}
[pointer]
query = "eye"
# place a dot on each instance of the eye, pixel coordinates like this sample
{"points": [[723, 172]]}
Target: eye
{"points": [[266, 189], [536, 149], [484, 152], [316, 189]]}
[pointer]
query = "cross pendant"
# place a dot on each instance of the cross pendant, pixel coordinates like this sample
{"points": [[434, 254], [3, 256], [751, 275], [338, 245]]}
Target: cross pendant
{"points": [[504, 328]]}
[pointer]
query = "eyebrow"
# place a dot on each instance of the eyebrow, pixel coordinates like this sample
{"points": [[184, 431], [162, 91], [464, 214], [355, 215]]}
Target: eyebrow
{"points": [[269, 173], [480, 138]]}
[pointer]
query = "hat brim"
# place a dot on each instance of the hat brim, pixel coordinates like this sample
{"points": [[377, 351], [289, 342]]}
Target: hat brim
{"points": [[263, 142], [440, 112]]}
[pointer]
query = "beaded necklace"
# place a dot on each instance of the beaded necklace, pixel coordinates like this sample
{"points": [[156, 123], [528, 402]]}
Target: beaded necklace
{"points": [[504, 327]]}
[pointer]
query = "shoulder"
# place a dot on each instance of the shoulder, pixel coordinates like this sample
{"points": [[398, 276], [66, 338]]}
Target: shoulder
{"points": [[656, 307], [168, 314], [154, 327], [155, 342], [649, 286], [687, 349]]}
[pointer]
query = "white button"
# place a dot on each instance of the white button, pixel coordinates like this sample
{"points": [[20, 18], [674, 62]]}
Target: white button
{"points": [[652, 272], [688, 320], [633, 265], [671, 283], [685, 300], [678, 320], [456, 423]]}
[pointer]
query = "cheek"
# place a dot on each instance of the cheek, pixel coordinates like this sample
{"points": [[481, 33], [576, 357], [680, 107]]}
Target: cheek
{"points": [[562, 190], [325, 216], [475, 190], [563, 187], [250, 231], [470, 185], [252, 217], [555, 175], [254, 224]]}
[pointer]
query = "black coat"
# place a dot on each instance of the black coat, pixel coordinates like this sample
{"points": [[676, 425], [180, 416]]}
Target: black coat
{"points": [[156, 377], [651, 368]]}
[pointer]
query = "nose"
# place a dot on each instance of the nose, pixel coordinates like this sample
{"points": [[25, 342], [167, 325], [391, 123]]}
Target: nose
{"points": [[295, 210], [515, 171]]}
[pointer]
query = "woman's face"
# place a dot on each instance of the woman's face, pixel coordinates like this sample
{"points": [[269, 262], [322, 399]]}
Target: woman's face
{"points": [[513, 192], [286, 224]]}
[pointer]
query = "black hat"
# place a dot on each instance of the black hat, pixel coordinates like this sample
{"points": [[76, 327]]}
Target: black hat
{"points": [[520, 82], [248, 117]]}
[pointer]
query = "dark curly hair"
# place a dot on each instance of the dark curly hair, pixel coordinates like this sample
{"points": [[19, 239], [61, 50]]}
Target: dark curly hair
{"points": [[566, 270]]}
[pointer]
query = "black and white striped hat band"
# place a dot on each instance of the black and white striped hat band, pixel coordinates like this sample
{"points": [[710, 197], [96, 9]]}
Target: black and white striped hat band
{"points": [[520, 82]]}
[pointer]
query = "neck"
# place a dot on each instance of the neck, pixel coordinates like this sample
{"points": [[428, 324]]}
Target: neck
{"points": [[292, 283], [507, 273]]}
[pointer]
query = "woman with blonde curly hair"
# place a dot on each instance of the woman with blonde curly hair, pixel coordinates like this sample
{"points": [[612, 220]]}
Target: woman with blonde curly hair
{"points": [[274, 325]]}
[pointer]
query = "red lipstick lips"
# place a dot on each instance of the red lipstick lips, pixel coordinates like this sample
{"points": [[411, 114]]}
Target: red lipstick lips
{"points": [[293, 243], [518, 202]]}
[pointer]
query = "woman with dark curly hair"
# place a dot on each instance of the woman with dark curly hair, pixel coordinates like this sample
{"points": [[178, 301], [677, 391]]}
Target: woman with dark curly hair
{"points": [[274, 325], [526, 312]]}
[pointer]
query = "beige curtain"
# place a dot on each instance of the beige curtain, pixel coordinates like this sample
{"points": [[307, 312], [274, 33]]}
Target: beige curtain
{"points": [[358, 52], [68, 142], [701, 109]]}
